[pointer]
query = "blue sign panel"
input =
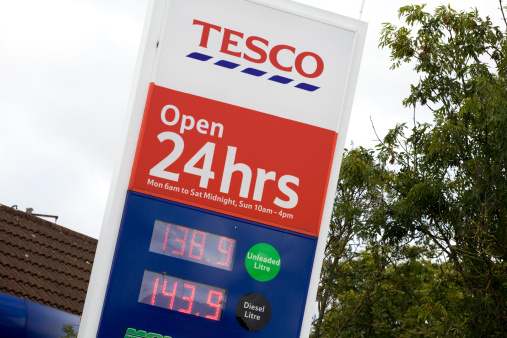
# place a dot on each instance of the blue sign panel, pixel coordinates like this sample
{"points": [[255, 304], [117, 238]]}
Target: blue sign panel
{"points": [[184, 272]]}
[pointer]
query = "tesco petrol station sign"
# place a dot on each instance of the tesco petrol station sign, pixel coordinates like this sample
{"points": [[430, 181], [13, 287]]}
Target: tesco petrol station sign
{"points": [[217, 219]]}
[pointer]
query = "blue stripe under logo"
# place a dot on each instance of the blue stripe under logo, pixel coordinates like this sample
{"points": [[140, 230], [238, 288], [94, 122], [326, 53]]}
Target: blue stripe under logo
{"points": [[253, 71], [227, 64], [199, 56], [280, 79]]}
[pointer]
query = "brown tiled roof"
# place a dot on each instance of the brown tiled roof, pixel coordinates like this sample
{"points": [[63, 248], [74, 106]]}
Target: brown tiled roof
{"points": [[44, 262]]}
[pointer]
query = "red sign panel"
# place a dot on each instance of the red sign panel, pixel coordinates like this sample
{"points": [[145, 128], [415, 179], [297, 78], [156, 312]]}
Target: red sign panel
{"points": [[233, 160]]}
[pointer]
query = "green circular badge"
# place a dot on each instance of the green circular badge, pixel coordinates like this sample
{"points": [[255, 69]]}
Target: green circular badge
{"points": [[262, 262]]}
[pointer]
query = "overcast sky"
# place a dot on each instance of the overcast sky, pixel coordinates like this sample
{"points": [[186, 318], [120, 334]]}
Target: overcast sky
{"points": [[66, 67]]}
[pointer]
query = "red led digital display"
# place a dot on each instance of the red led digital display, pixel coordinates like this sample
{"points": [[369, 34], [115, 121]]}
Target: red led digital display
{"points": [[182, 295], [193, 245]]}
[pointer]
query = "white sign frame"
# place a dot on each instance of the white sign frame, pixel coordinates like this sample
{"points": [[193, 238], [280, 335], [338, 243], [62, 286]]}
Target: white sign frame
{"points": [[143, 75]]}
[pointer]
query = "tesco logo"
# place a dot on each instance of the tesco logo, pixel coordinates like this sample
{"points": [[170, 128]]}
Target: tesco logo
{"points": [[259, 50]]}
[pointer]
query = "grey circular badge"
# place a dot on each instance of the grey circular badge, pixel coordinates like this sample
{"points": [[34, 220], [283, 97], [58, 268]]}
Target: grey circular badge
{"points": [[253, 311]]}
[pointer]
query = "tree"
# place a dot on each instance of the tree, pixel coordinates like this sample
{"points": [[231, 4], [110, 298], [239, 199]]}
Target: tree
{"points": [[436, 202], [370, 287], [449, 188], [69, 331], [381, 296], [357, 191]]}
